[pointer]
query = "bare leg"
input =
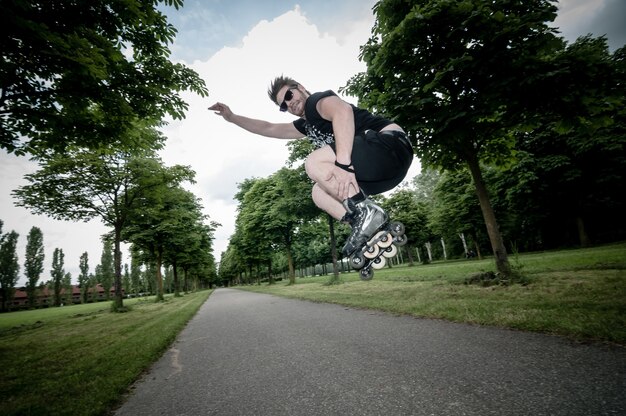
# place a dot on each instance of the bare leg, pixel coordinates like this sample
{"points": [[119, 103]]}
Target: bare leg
{"points": [[319, 165], [328, 203]]}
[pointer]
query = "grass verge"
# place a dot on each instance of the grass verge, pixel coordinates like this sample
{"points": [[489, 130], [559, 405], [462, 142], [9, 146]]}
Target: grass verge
{"points": [[81, 359], [576, 293]]}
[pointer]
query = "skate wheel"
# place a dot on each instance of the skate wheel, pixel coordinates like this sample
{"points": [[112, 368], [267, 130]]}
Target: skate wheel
{"points": [[397, 229], [390, 251], [371, 252], [379, 263], [385, 241], [400, 240], [366, 274], [357, 261]]}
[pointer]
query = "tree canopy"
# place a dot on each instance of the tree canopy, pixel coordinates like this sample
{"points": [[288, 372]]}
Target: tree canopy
{"points": [[469, 78], [83, 72]]}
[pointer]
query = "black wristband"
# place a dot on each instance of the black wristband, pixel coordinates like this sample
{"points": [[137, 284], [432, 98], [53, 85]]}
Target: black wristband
{"points": [[347, 168]]}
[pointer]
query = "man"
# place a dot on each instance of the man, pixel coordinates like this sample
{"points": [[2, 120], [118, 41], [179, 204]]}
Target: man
{"points": [[357, 153]]}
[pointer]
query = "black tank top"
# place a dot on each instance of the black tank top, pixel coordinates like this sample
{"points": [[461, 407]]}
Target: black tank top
{"points": [[320, 131]]}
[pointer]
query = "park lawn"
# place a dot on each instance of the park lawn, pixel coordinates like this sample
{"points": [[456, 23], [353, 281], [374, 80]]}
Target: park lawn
{"points": [[576, 293], [81, 359]]}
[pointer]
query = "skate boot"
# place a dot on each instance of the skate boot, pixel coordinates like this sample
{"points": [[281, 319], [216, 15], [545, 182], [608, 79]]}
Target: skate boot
{"points": [[366, 219], [373, 239]]}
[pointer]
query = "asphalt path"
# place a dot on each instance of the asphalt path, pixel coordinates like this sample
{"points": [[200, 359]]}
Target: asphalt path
{"points": [[253, 354]]}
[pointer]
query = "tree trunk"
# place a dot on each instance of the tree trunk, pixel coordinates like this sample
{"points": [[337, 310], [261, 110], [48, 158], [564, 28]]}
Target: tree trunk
{"points": [[176, 283], [409, 253], [465, 249], [159, 277], [429, 251], [443, 245], [333, 250], [117, 264], [269, 272], [582, 232], [493, 230], [292, 270]]}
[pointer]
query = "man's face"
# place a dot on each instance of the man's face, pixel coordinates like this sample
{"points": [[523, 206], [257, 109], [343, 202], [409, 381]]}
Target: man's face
{"points": [[292, 99]]}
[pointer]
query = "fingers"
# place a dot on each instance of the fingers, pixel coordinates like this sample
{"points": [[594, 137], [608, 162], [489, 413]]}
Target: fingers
{"points": [[345, 181], [219, 108], [342, 191], [340, 183]]}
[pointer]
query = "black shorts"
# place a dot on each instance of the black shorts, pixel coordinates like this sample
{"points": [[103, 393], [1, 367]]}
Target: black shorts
{"points": [[381, 160]]}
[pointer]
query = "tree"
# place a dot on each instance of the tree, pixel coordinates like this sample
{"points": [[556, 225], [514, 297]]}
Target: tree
{"points": [[107, 268], [82, 184], [83, 277], [186, 231], [292, 207], [33, 264], [126, 284], [231, 265], [271, 210], [135, 273], [403, 206], [97, 278], [9, 266], [196, 257], [80, 73], [152, 220], [456, 74], [57, 274], [251, 245], [66, 285], [455, 209], [575, 162]]}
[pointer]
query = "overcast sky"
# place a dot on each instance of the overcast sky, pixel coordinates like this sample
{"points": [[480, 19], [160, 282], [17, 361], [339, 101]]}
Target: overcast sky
{"points": [[238, 47]]}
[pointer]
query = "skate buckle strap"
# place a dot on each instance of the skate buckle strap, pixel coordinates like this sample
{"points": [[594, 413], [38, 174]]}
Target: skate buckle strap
{"points": [[347, 168]]}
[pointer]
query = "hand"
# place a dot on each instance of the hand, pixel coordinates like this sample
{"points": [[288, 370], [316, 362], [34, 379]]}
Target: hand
{"points": [[345, 182], [222, 110]]}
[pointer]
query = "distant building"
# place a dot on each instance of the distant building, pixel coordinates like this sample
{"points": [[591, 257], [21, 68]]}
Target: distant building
{"points": [[44, 297]]}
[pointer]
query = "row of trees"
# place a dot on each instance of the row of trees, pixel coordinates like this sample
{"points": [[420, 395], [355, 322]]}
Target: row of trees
{"points": [[84, 88], [271, 211], [523, 136], [33, 268], [138, 278], [440, 211], [142, 201]]}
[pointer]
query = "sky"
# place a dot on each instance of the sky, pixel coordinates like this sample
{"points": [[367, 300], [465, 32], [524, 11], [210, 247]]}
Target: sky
{"points": [[238, 47]]}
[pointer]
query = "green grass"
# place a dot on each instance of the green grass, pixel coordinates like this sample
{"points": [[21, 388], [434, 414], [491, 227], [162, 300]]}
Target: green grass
{"points": [[81, 359], [576, 293]]}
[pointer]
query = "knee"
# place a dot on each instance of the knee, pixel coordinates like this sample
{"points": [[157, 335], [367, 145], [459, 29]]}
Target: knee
{"points": [[309, 165], [315, 165], [317, 194]]}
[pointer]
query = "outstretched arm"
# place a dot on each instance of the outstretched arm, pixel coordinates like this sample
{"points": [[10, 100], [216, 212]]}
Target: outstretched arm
{"points": [[262, 127]]}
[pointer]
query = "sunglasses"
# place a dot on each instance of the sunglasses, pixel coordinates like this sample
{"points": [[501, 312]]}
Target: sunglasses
{"points": [[288, 97]]}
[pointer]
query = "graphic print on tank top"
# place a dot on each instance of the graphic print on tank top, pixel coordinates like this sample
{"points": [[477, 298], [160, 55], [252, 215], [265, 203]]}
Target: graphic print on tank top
{"points": [[317, 137]]}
